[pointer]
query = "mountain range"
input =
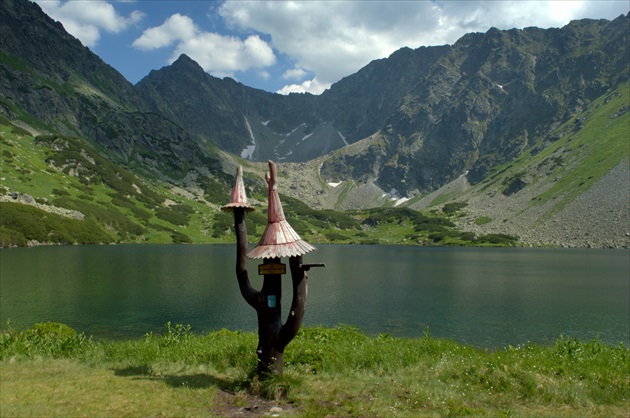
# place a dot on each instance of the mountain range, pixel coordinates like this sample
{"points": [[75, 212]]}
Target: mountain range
{"points": [[518, 125]]}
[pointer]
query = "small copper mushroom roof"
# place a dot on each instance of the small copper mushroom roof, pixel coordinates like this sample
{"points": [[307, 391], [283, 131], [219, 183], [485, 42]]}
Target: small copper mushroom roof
{"points": [[239, 197], [279, 239]]}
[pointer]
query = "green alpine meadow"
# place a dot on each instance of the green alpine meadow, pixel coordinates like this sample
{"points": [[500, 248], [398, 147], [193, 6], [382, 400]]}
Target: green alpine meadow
{"points": [[51, 370]]}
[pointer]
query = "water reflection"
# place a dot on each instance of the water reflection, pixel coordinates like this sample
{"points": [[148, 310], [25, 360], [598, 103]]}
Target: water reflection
{"points": [[486, 297]]}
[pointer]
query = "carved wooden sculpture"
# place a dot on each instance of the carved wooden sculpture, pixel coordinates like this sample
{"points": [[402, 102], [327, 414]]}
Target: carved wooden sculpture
{"points": [[278, 240]]}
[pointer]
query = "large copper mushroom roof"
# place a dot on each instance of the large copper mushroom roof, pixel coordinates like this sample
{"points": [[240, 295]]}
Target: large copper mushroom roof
{"points": [[239, 197], [279, 239]]}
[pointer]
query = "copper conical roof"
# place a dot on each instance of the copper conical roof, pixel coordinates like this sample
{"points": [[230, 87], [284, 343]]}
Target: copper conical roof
{"points": [[279, 239], [239, 197]]}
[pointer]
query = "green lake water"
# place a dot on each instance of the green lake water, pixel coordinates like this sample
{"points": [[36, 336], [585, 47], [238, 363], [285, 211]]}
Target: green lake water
{"points": [[482, 296]]}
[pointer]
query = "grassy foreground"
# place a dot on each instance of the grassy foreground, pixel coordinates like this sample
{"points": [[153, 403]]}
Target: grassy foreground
{"points": [[50, 370]]}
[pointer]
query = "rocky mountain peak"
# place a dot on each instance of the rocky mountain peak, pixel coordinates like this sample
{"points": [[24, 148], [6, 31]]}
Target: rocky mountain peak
{"points": [[186, 64]]}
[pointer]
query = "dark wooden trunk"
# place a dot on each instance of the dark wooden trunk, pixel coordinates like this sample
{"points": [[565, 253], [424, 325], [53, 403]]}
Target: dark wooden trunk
{"points": [[269, 311], [273, 336]]}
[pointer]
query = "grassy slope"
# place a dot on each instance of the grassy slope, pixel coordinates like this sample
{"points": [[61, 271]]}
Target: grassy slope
{"points": [[126, 208], [554, 171], [589, 146], [338, 371], [595, 149], [120, 206]]}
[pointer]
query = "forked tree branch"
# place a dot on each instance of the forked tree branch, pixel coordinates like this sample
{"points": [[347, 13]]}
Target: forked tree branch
{"points": [[249, 293], [300, 291]]}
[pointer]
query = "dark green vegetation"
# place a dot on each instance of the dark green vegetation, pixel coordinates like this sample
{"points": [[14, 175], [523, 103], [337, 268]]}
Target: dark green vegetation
{"points": [[338, 371], [385, 226], [22, 223]]}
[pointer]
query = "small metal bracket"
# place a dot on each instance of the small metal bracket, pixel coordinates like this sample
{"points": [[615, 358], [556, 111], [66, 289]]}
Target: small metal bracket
{"points": [[307, 267]]}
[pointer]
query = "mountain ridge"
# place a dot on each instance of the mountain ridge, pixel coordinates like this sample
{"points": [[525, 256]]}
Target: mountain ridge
{"points": [[445, 110], [491, 110]]}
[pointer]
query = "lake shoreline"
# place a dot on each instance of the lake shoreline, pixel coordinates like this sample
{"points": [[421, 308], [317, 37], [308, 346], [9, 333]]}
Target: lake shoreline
{"points": [[32, 244]]}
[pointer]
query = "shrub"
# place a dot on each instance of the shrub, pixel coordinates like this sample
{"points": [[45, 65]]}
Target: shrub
{"points": [[50, 339], [467, 236], [483, 220], [336, 236], [21, 223], [302, 228], [214, 190], [498, 239], [429, 227], [179, 238], [111, 217], [453, 207], [150, 198], [223, 221], [437, 236], [10, 238], [59, 192], [174, 214], [138, 212], [370, 241]]}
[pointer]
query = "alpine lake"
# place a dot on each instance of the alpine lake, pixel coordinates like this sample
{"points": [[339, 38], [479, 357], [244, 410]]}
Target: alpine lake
{"points": [[486, 297]]}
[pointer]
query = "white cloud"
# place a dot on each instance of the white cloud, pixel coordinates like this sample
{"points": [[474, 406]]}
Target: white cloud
{"points": [[224, 55], [317, 41], [294, 74], [309, 86], [86, 19], [217, 54], [337, 38], [175, 28], [460, 17]]}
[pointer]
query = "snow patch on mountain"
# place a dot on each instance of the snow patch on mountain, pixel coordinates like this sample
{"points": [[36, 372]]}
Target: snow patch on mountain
{"points": [[343, 138], [248, 152]]}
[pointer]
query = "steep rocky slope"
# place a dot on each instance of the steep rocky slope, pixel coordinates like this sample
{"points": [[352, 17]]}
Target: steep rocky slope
{"points": [[51, 82], [491, 98], [570, 192], [437, 112]]}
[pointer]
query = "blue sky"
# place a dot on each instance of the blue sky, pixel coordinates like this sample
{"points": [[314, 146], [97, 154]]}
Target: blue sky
{"points": [[292, 46]]}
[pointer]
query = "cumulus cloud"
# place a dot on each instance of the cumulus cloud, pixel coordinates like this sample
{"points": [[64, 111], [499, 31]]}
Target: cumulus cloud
{"points": [[335, 39], [175, 28], [217, 54], [309, 86], [223, 55], [85, 20], [294, 74]]}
